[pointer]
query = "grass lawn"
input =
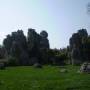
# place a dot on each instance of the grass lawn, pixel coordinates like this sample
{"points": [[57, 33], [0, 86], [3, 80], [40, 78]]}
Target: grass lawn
{"points": [[47, 78]]}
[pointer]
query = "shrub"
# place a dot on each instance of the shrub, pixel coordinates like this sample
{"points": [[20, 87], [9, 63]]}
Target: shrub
{"points": [[2, 66], [12, 61]]}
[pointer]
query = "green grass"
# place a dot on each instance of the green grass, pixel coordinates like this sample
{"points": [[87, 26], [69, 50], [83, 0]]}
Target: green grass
{"points": [[47, 78]]}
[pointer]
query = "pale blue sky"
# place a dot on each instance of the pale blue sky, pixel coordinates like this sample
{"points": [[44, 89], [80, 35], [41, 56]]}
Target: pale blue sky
{"points": [[60, 18]]}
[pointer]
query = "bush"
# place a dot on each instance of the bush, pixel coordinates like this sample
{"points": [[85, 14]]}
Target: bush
{"points": [[2, 66], [12, 61]]}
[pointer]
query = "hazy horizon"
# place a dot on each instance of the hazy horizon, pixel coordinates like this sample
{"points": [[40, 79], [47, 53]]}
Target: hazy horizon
{"points": [[60, 18]]}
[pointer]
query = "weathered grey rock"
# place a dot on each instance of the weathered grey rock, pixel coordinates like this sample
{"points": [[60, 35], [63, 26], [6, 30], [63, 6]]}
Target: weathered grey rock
{"points": [[78, 71], [44, 34], [85, 67], [44, 42], [37, 65], [75, 56], [63, 70], [33, 60]]}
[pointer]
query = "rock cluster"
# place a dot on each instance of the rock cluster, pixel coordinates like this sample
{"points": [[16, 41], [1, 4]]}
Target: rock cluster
{"points": [[85, 67]]}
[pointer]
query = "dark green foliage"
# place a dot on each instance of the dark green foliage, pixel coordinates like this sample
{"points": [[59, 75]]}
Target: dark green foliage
{"points": [[57, 57], [2, 66], [12, 61]]}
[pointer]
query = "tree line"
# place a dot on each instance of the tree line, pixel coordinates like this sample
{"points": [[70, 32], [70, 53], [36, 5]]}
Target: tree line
{"points": [[18, 49]]}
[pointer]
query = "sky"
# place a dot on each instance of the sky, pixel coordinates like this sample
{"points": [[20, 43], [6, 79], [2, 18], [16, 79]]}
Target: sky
{"points": [[60, 18]]}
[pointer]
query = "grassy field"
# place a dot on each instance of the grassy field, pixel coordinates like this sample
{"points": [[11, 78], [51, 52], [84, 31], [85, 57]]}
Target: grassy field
{"points": [[47, 78]]}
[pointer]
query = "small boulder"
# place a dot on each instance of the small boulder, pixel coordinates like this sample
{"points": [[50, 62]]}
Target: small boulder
{"points": [[37, 65], [85, 67], [63, 70]]}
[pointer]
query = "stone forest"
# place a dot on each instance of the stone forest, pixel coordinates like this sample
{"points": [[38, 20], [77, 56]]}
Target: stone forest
{"points": [[18, 49]]}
